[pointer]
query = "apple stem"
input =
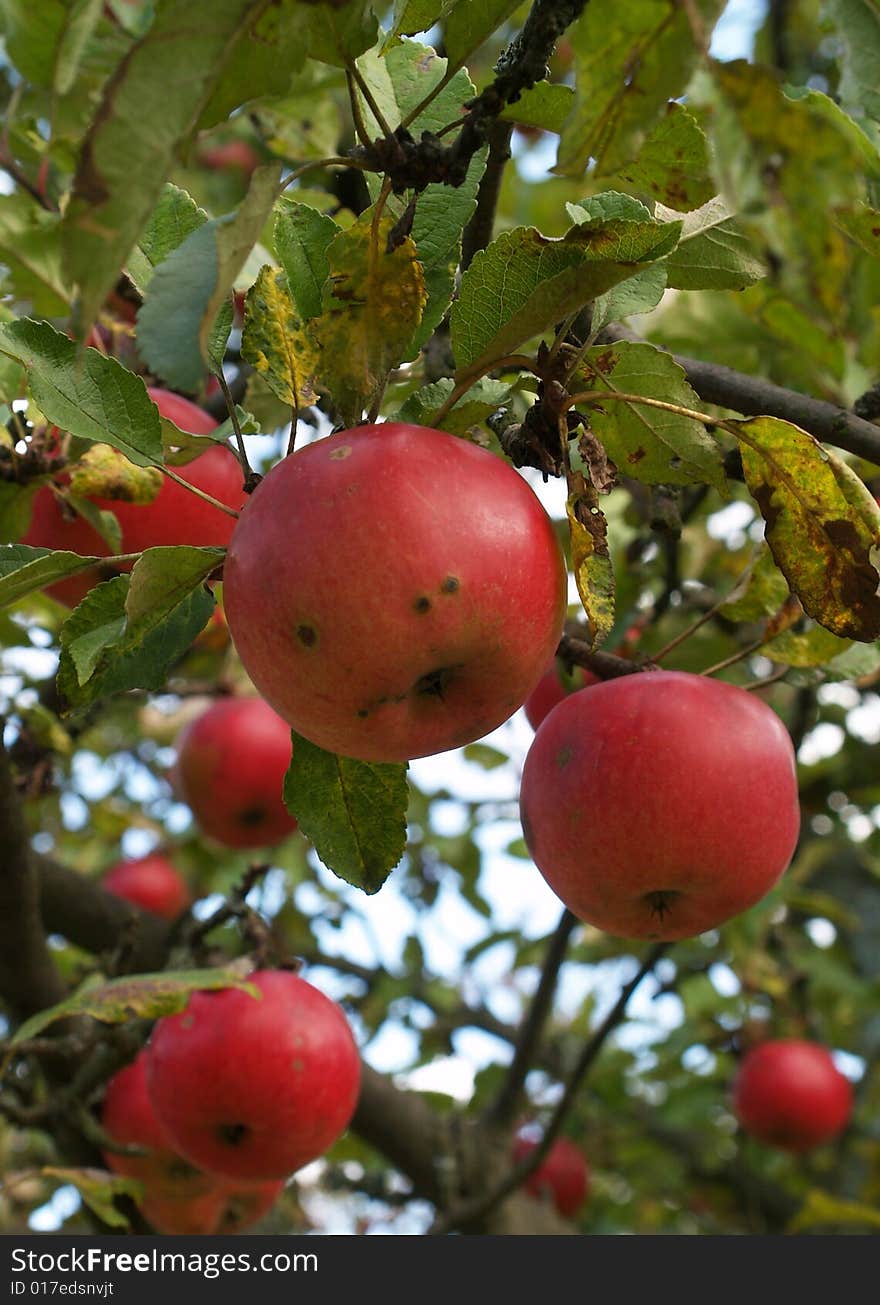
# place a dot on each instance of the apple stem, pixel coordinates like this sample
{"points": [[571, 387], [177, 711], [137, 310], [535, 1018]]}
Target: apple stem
{"points": [[251, 479], [200, 493]]}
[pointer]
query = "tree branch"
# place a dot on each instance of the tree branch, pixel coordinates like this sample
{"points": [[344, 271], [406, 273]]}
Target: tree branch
{"points": [[755, 397], [29, 981], [505, 1106], [478, 232]]}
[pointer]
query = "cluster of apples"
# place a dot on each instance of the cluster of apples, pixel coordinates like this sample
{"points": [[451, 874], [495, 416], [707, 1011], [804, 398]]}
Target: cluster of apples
{"points": [[228, 1099]]}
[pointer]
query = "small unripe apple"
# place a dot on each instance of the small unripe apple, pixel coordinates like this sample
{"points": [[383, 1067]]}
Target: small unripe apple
{"points": [[554, 685], [255, 1089], [151, 882], [660, 804], [790, 1094], [394, 591], [175, 516], [563, 1176], [230, 768]]}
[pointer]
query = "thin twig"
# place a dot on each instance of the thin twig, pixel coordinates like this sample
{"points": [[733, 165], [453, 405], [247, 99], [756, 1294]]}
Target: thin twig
{"points": [[251, 479]]}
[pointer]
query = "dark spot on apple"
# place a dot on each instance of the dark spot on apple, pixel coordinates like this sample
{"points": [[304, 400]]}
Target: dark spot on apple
{"points": [[232, 1134], [250, 817], [563, 757], [363, 713], [435, 683], [306, 635], [422, 604], [343, 451], [450, 585], [661, 900]]}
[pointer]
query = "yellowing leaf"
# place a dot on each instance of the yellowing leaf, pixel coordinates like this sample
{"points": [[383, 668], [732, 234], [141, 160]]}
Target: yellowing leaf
{"points": [[372, 307], [104, 472], [275, 342], [591, 560], [822, 524], [820, 1208]]}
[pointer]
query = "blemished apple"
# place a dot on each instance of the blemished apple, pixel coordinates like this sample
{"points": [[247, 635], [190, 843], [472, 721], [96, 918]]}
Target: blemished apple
{"points": [[394, 591], [563, 1176], [175, 516], [151, 882], [660, 804], [554, 685], [177, 1197], [789, 1094], [253, 1088], [230, 768]]}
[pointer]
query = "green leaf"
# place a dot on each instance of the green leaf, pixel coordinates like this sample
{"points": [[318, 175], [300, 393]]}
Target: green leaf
{"points": [[16, 502], [371, 309], [638, 294], [630, 60], [545, 105], [858, 27], [302, 238], [174, 218], [32, 33], [263, 62], [336, 35], [485, 756], [712, 253], [813, 647], [98, 1189], [822, 524], [275, 342], [591, 560], [139, 996], [149, 106], [84, 392], [24, 569], [822, 1210], [647, 443], [862, 224], [82, 19], [480, 401], [127, 634], [409, 17], [822, 106], [188, 289], [354, 812], [523, 282], [30, 247], [673, 165], [760, 593], [472, 22]]}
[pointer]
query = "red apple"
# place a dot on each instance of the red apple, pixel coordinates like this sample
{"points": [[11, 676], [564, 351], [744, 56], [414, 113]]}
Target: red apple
{"points": [[175, 516], [660, 804], [789, 1094], [178, 1198], [151, 882], [230, 156], [255, 1089], [394, 591], [231, 763], [553, 686], [563, 1176]]}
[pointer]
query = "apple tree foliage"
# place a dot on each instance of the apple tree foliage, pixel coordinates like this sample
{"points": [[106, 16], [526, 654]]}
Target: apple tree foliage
{"points": [[649, 277]]}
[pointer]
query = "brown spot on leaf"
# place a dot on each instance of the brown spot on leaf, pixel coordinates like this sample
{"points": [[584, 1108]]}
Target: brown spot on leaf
{"points": [[636, 455], [763, 495]]}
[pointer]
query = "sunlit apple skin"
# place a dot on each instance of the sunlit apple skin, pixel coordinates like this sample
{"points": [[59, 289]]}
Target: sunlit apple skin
{"points": [[563, 1176], [231, 763], [178, 1198], [175, 516], [660, 804], [552, 688], [394, 591], [789, 1094], [255, 1089], [151, 882]]}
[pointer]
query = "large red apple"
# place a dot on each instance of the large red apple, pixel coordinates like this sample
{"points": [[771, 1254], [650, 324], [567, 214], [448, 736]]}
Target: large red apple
{"points": [[177, 1198], [660, 804], [554, 685], [562, 1177], [255, 1089], [394, 591], [175, 516], [151, 882], [231, 763], [790, 1094]]}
